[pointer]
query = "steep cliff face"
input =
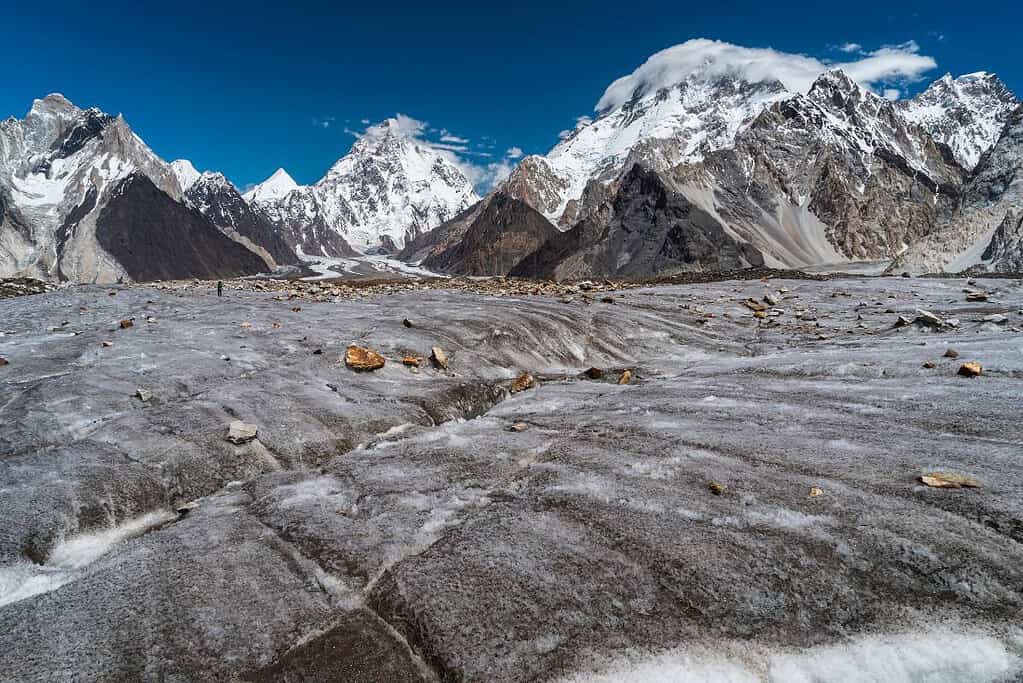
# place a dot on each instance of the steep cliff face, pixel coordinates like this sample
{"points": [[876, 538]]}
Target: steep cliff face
{"points": [[838, 163], [153, 237], [966, 113], [647, 228], [61, 167], [502, 234], [979, 233], [218, 199]]}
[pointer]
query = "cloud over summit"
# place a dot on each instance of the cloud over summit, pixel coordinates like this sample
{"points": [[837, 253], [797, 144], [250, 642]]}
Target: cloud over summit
{"points": [[713, 58]]}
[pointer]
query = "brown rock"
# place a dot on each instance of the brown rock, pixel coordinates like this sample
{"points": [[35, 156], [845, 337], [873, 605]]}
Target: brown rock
{"points": [[411, 361], [754, 305], [930, 365], [625, 377], [971, 369], [594, 373], [518, 427], [239, 432], [949, 480], [816, 492], [363, 359], [406, 322], [523, 382], [439, 358], [4, 361], [126, 323], [976, 296], [107, 344], [759, 314], [951, 353], [716, 488]]}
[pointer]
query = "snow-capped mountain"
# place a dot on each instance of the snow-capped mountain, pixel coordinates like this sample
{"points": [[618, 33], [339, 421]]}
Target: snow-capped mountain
{"points": [[390, 188], [83, 198], [833, 175], [659, 128], [826, 174], [185, 173], [273, 188], [219, 200], [983, 233], [966, 113]]}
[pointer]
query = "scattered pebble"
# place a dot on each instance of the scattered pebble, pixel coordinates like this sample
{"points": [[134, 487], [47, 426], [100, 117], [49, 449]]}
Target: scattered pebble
{"points": [[625, 377], [716, 488], [126, 323], [143, 395], [518, 427], [816, 492], [951, 353]]}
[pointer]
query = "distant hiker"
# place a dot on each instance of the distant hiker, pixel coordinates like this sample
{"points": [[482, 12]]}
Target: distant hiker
{"points": [[220, 288]]}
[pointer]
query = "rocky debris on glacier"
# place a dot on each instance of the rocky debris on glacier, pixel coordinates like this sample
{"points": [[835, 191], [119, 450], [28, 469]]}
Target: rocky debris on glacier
{"points": [[949, 480], [239, 432], [363, 359], [23, 286], [389, 526]]}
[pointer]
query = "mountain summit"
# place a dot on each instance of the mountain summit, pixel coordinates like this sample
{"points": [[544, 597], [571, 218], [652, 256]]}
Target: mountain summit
{"points": [[390, 188]]}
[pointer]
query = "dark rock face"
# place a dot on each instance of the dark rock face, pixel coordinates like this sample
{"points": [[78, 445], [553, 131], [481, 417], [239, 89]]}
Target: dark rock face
{"points": [[221, 203], [156, 238], [92, 124], [989, 206], [875, 181], [1004, 254], [648, 229], [505, 231], [444, 237]]}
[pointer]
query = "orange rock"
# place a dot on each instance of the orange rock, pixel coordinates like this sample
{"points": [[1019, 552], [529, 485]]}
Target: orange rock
{"points": [[363, 359], [971, 369], [523, 382]]}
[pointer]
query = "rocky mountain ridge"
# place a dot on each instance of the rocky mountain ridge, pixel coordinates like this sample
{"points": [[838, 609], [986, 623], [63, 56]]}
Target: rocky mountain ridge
{"points": [[68, 175], [835, 174]]}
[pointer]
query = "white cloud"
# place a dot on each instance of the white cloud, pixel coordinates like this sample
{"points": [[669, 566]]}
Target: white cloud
{"points": [[891, 94], [514, 153], [851, 47], [324, 122], [447, 137], [713, 58]]}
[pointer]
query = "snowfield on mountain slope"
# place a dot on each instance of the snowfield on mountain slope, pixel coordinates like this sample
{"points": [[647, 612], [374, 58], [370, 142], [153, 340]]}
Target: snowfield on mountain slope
{"points": [[747, 503]]}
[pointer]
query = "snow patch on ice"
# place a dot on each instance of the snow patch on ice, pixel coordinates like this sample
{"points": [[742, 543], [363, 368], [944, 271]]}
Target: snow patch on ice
{"points": [[932, 655], [24, 579]]}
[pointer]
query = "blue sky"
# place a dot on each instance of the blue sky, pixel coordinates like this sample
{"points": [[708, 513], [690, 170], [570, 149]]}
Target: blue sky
{"points": [[244, 89]]}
